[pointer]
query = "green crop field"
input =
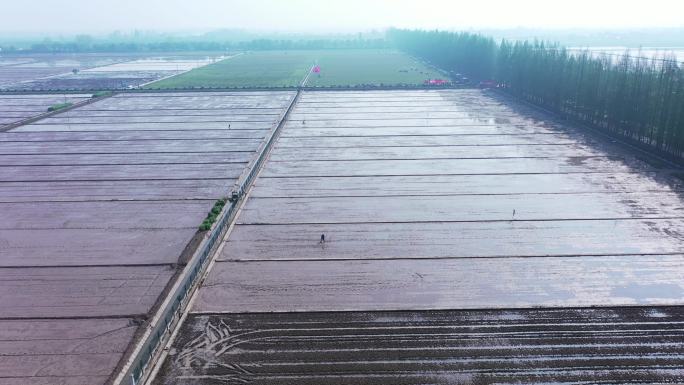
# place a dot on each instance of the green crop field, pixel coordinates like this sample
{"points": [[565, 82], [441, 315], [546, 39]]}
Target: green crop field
{"points": [[289, 68], [252, 69], [353, 67]]}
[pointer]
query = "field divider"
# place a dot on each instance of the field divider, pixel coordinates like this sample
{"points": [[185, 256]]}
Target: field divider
{"points": [[248, 174], [158, 331], [368, 87], [306, 78], [48, 114]]}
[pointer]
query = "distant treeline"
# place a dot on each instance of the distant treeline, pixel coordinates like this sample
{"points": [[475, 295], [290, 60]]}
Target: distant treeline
{"points": [[638, 98], [89, 45]]}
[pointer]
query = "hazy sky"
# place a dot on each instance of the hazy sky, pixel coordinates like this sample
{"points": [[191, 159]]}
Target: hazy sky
{"points": [[331, 15]]}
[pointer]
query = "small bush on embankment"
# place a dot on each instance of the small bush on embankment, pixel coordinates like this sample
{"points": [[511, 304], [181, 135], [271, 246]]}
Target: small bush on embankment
{"points": [[213, 215], [60, 106], [101, 94]]}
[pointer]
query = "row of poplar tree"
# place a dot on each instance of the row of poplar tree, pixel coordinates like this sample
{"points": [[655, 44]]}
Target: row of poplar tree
{"points": [[634, 97]]}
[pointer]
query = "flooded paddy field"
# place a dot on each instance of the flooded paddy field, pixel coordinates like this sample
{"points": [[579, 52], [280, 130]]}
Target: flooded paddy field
{"points": [[442, 203], [15, 108], [669, 53], [95, 72], [97, 213], [18, 70]]}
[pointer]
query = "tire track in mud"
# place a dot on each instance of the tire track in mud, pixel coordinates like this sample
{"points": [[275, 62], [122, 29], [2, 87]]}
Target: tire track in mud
{"points": [[613, 345]]}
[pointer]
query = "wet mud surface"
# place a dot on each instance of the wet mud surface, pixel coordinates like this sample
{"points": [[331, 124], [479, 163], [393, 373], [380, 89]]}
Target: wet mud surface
{"points": [[93, 71], [526, 186], [70, 292], [128, 135], [455, 239], [462, 208], [66, 351], [17, 71], [428, 283], [449, 185], [139, 190], [123, 158], [115, 126], [565, 346], [96, 213], [15, 108], [93, 246], [443, 200]]}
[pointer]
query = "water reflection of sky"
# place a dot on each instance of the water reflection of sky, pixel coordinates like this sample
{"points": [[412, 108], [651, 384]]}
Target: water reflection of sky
{"points": [[647, 52]]}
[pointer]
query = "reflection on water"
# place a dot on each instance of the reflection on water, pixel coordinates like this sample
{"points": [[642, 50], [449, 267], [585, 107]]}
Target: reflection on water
{"points": [[646, 52]]}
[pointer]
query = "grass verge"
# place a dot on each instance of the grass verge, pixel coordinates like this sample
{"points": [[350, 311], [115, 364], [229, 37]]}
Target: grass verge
{"points": [[213, 215], [339, 68], [60, 106]]}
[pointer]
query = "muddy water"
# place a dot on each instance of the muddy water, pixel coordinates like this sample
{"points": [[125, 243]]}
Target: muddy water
{"points": [[432, 203], [406, 179], [14, 108], [96, 206]]}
